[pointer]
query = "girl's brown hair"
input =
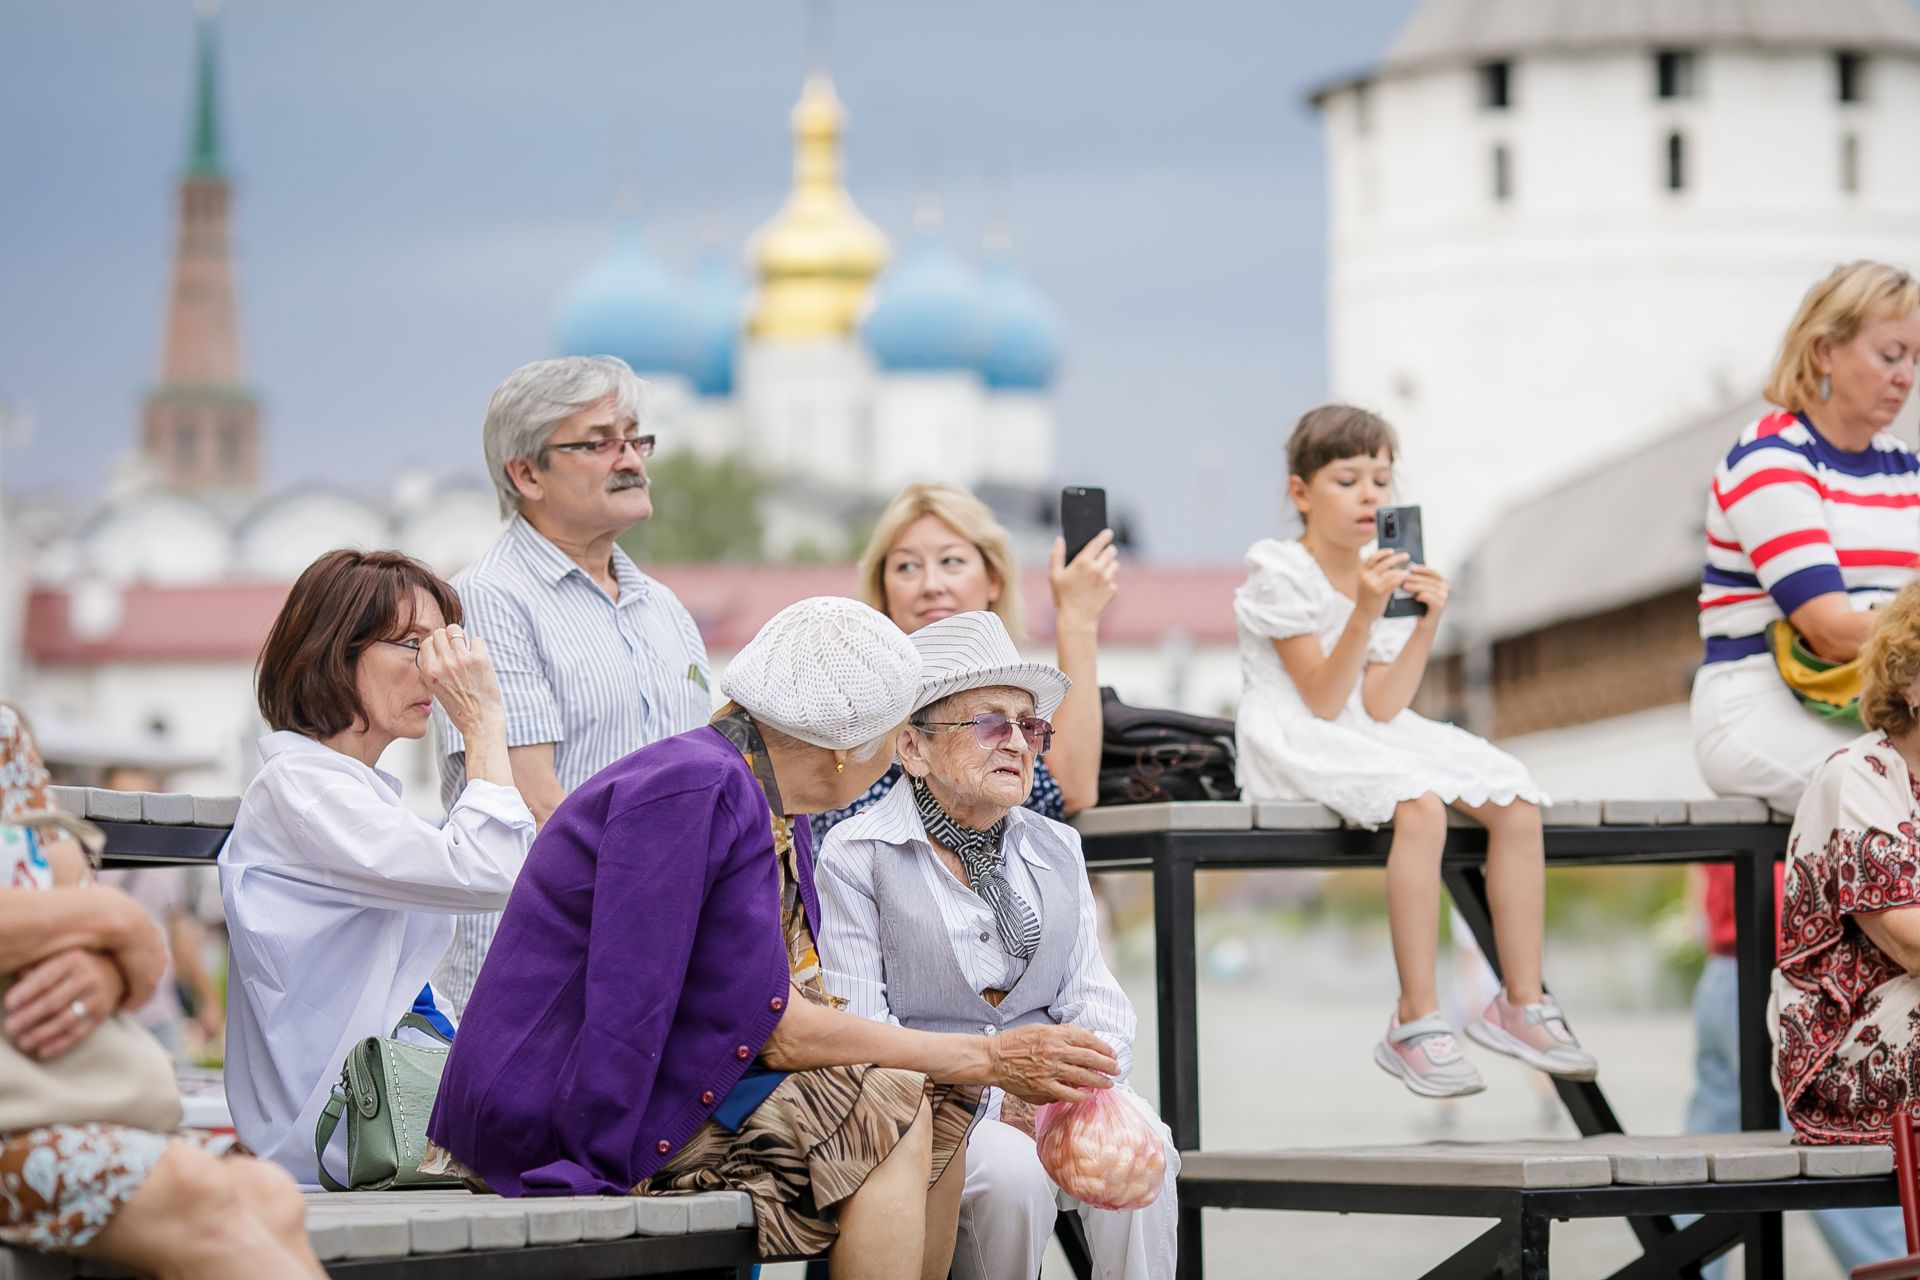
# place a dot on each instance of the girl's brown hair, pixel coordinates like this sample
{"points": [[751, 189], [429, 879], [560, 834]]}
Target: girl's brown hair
{"points": [[1336, 431], [342, 603], [1890, 661]]}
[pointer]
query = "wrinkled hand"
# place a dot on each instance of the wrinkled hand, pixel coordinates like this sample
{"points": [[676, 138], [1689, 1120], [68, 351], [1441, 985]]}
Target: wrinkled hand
{"points": [[1044, 1062], [1380, 574], [1019, 1115], [1425, 584], [1083, 590], [460, 676], [40, 1016]]}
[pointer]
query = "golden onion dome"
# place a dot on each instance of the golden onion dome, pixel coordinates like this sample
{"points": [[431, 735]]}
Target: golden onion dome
{"points": [[817, 258]]}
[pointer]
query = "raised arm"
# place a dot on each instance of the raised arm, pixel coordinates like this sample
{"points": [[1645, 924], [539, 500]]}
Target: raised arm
{"points": [[1082, 591], [1326, 679]]}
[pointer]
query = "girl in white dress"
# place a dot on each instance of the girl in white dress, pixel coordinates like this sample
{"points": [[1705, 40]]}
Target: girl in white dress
{"points": [[1324, 716]]}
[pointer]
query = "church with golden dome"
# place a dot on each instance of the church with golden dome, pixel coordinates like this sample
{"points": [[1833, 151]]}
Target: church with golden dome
{"points": [[840, 364]]}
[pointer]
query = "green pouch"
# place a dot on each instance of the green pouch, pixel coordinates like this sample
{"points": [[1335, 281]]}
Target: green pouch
{"points": [[391, 1085]]}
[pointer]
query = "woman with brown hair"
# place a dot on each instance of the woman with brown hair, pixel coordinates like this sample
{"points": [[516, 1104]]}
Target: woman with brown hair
{"points": [[1846, 994], [340, 900]]}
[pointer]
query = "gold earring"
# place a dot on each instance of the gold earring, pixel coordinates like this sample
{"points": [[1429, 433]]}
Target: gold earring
{"points": [[839, 766]]}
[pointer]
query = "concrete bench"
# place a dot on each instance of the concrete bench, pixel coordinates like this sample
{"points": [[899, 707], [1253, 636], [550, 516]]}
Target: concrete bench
{"points": [[1526, 1185], [420, 1235]]}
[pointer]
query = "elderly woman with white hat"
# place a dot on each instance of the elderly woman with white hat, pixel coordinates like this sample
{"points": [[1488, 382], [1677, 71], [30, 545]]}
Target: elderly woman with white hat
{"points": [[651, 1017], [948, 906]]}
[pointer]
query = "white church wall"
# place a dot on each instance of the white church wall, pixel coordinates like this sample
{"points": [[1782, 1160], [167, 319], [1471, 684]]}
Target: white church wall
{"points": [[286, 533], [927, 426], [1017, 443], [451, 529], [155, 538], [807, 408]]}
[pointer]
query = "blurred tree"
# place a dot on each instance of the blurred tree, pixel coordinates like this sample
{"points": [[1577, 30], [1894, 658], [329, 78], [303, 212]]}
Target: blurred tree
{"points": [[703, 509]]}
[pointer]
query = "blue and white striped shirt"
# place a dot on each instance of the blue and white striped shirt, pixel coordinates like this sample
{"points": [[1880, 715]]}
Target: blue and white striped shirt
{"points": [[598, 678]]}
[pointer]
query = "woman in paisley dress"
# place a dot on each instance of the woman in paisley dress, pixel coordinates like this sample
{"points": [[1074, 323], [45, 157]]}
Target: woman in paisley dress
{"points": [[1847, 990], [166, 1204]]}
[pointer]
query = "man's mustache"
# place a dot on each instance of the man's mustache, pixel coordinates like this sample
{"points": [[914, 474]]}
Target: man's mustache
{"points": [[626, 480]]}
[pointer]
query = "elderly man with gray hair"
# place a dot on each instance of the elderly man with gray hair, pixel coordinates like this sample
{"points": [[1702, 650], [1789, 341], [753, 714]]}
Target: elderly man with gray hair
{"points": [[595, 658]]}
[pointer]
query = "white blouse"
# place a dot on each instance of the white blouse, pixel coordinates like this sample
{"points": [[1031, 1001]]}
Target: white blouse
{"points": [[340, 900]]}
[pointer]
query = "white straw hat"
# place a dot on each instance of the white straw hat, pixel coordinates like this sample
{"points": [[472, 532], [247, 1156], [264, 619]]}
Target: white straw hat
{"points": [[827, 670], [974, 651]]}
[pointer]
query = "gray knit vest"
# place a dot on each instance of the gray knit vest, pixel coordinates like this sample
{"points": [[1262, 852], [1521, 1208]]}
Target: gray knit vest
{"points": [[925, 988]]}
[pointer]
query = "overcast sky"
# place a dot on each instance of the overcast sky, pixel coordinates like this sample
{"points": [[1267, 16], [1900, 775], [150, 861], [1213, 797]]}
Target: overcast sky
{"points": [[417, 182]]}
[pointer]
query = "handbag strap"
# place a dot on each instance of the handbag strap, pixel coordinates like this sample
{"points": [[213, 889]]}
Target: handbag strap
{"points": [[323, 1134]]}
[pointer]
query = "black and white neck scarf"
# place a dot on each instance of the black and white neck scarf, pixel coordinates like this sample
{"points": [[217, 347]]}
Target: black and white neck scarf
{"points": [[979, 853]]}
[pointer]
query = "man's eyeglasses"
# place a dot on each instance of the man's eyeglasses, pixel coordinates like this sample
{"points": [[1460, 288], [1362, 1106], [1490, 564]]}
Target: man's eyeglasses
{"points": [[607, 446], [994, 729]]}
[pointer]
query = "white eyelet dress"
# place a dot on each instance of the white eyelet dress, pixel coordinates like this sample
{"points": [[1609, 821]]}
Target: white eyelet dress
{"points": [[1355, 765]]}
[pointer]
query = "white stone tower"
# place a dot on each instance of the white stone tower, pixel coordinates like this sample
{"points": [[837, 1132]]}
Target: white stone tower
{"points": [[1559, 227]]}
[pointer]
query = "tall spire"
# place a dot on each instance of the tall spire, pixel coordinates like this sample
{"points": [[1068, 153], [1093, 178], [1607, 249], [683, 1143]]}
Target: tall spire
{"points": [[203, 155], [201, 424]]}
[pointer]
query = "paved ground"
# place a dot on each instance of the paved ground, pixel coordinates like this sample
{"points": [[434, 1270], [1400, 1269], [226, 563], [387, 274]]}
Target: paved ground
{"points": [[1285, 1062]]}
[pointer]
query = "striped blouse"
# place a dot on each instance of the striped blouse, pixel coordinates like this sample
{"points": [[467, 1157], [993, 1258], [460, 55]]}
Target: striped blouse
{"points": [[1791, 517]]}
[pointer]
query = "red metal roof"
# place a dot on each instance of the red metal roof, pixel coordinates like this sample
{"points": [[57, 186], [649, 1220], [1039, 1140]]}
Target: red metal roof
{"points": [[228, 622]]}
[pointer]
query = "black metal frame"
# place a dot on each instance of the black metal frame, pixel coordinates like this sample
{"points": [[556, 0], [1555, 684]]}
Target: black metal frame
{"points": [[1175, 857]]}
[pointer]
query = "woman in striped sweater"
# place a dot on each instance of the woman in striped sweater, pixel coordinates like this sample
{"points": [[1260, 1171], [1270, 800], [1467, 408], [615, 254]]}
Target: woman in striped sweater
{"points": [[1813, 516]]}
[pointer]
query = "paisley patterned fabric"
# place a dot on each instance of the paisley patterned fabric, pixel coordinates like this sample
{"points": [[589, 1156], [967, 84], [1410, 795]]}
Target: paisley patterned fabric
{"points": [[60, 1185], [1848, 1033]]}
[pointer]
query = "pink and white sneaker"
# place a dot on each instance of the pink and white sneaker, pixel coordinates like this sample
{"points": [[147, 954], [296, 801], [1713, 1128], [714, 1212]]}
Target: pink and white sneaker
{"points": [[1426, 1058], [1537, 1034]]}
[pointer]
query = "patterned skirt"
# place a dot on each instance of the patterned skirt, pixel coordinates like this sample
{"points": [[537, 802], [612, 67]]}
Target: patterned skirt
{"points": [[812, 1144], [61, 1185]]}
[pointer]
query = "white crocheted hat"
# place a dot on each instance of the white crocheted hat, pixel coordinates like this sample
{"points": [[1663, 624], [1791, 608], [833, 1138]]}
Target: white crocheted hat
{"points": [[974, 651], [827, 670]]}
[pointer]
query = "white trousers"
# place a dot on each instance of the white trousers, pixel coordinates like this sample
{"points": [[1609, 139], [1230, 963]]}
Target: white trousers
{"points": [[1751, 738], [1008, 1207]]}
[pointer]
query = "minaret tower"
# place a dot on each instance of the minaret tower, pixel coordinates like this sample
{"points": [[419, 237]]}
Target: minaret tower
{"points": [[201, 424]]}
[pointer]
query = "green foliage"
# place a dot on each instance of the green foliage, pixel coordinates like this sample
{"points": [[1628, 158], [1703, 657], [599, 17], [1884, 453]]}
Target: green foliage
{"points": [[703, 509]]}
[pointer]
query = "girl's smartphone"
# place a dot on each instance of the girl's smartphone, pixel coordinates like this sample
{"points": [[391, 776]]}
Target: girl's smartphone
{"points": [[1083, 514], [1398, 529]]}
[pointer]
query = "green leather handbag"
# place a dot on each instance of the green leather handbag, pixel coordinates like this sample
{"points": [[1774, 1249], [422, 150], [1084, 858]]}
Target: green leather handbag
{"points": [[391, 1085]]}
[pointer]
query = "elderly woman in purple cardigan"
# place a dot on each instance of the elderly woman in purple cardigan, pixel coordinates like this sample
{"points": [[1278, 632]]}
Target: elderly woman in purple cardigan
{"points": [[652, 1018]]}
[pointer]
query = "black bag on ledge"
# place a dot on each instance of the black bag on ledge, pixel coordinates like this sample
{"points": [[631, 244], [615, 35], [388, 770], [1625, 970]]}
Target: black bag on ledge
{"points": [[1148, 754]]}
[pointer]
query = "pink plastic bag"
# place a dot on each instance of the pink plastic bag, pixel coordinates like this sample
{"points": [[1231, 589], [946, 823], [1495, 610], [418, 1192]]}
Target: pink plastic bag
{"points": [[1103, 1152]]}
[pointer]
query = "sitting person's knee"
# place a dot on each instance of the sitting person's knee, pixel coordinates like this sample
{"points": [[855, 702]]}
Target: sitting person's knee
{"points": [[268, 1192], [1423, 811]]}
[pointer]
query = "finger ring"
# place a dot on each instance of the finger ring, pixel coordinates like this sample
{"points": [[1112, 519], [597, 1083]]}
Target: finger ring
{"points": [[78, 1008]]}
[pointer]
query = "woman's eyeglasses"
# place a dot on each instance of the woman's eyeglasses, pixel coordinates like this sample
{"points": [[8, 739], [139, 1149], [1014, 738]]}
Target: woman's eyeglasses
{"points": [[994, 729], [608, 446], [411, 644]]}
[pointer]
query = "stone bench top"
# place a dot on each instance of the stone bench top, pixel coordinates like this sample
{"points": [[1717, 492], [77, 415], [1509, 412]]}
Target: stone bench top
{"points": [[394, 1224], [1605, 1160], [1295, 815], [177, 809]]}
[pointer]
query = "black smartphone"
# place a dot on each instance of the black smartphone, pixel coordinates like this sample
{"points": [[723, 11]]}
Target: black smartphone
{"points": [[1083, 514], [1398, 529]]}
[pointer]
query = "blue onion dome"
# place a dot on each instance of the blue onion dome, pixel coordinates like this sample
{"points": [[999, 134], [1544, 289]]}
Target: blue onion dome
{"points": [[927, 311], [1023, 333], [718, 300], [627, 304]]}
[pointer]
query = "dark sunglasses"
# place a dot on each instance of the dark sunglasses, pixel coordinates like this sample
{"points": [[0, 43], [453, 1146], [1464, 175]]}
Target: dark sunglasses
{"points": [[994, 729]]}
